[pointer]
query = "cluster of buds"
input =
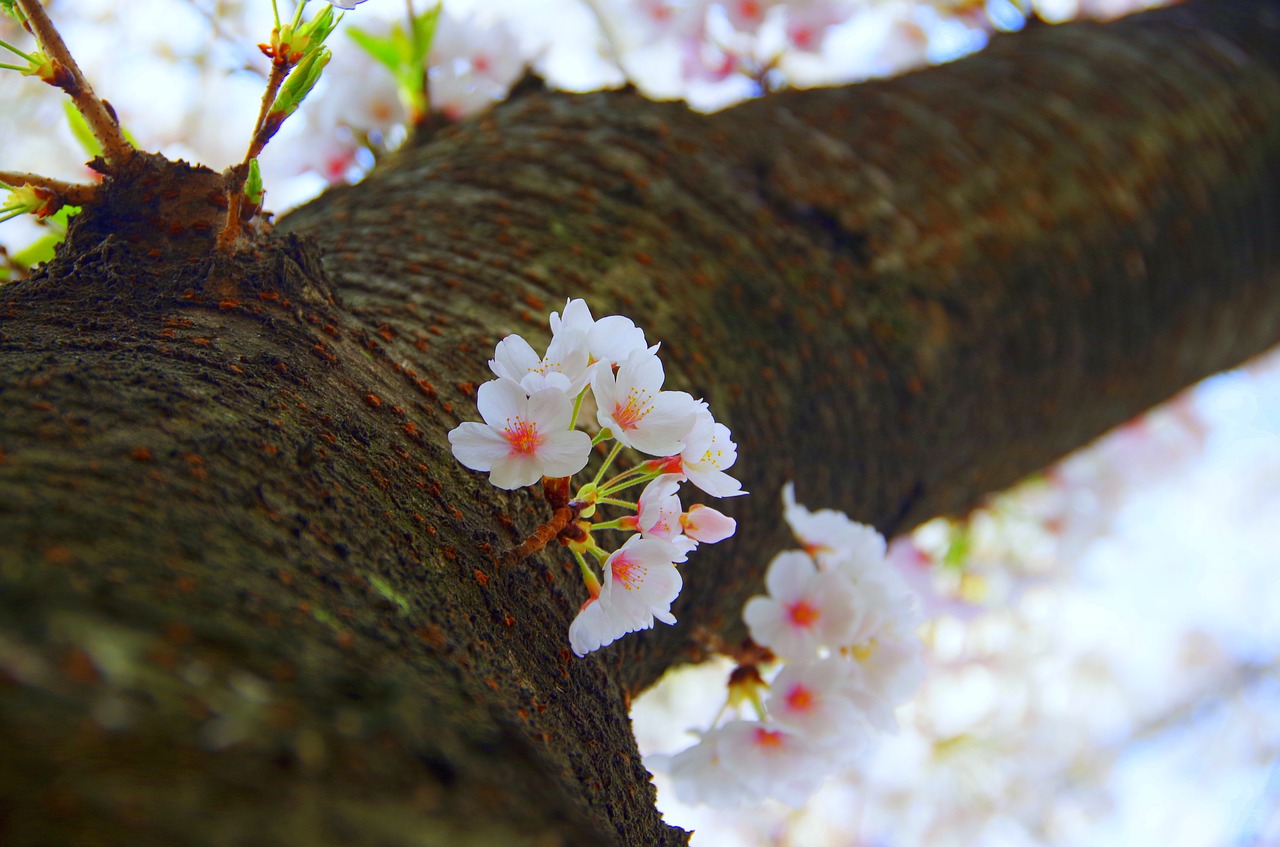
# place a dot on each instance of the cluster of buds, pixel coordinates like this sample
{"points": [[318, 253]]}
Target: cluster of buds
{"points": [[836, 634], [529, 433]]}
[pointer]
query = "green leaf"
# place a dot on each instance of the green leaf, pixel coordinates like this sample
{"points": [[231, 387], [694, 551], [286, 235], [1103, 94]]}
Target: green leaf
{"points": [[253, 191], [383, 50], [80, 129], [40, 250], [424, 32]]}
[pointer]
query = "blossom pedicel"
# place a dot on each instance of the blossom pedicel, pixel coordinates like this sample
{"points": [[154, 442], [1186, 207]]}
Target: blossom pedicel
{"points": [[837, 627], [530, 414]]}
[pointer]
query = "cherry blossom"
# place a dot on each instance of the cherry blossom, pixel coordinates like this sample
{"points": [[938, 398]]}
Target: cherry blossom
{"points": [[708, 450], [747, 15], [807, 23], [632, 406], [564, 367], [806, 608], [817, 699], [523, 438], [658, 511], [610, 339], [640, 583], [829, 536], [706, 525]]}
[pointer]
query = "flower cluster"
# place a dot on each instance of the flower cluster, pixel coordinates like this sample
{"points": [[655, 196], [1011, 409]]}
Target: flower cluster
{"points": [[838, 624], [530, 413]]}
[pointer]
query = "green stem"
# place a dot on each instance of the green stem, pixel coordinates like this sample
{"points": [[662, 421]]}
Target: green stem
{"points": [[615, 502], [577, 404], [28, 56], [14, 68], [620, 483], [613, 454], [275, 13]]}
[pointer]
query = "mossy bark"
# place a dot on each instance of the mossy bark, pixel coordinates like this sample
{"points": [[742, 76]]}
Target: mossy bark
{"points": [[248, 597]]}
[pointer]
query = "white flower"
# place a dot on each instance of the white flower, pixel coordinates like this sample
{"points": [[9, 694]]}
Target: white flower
{"points": [[830, 537], [772, 762], [523, 438], [658, 512], [706, 525], [807, 23], [640, 583], [610, 340], [744, 762], [345, 4], [700, 775], [806, 608], [564, 367], [747, 15], [708, 451], [637, 412], [887, 670], [816, 699]]}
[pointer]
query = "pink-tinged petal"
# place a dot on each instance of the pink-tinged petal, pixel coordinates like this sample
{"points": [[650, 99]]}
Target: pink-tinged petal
{"points": [[501, 401], [705, 524], [564, 453], [516, 470], [551, 410], [477, 446], [789, 574]]}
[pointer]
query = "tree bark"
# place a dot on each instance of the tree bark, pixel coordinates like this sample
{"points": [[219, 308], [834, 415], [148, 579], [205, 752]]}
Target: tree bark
{"points": [[248, 597]]}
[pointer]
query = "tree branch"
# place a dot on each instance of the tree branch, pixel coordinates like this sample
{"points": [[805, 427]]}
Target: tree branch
{"points": [[116, 149]]}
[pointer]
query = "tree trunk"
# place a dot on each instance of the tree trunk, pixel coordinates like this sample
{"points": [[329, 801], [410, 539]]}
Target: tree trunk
{"points": [[248, 597]]}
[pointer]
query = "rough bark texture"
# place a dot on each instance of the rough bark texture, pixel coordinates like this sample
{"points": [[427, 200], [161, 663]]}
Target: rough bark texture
{"points": [[246, 595]]}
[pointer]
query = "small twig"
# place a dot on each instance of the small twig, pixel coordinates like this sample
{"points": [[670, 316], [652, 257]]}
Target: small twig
{"points": [[237, 175], [543, 535], [69, 193], [116, 149]]}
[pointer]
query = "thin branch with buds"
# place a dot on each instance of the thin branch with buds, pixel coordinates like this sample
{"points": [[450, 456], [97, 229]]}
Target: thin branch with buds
{"points": [[68, 193], [102, 121]]}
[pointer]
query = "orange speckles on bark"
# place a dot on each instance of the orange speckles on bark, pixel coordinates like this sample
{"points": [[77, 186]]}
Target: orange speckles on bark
{"points": [[467, 388], [411, 430], [76, 665], [201, 341], [482, 579], [644, 258], [432, 635], [58, 554], [229, 303], [43, 406], [385, 332], [508, 620], [167, 333], [141, 454], [185, 584], [328, 437], [345, 639], [914, 386], [269, 449], [373, 401], [236, 369], [534, 302]]}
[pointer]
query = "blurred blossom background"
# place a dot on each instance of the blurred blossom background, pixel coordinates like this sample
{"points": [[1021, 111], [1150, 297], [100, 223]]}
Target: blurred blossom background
{"points": [[1103, 641]]}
